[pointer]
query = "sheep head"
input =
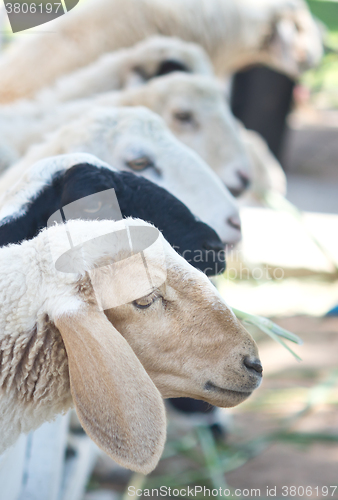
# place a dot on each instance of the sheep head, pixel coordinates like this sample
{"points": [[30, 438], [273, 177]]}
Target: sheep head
{"points": [[195, 110], [293, 42], [141, 332], [136, 139]]}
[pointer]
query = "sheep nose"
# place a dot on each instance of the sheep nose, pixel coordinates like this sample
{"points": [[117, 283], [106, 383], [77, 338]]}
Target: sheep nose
{"points": [[244, 178], [234, 222], [216, 246], [253, 365]]}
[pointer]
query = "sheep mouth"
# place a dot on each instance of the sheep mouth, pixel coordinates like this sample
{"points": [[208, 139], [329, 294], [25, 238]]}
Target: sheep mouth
{"points": [[236, 192], [209, 386]]}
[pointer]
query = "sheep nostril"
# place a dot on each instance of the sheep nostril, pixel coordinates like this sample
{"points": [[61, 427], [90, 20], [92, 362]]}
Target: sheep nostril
{"points": [[234, 222], [244, 178], [216, 246], [253, 364]]}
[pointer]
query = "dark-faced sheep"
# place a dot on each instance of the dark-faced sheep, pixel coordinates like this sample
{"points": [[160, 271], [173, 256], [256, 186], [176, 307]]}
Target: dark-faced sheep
{"points": [[76, 177]]}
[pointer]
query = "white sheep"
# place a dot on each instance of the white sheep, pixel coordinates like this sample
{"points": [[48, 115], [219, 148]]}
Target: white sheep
{"points": [[235, 33], [267, 174], [176, 99], [126, 68], [170, 337], [137, 140], [193, 107]]}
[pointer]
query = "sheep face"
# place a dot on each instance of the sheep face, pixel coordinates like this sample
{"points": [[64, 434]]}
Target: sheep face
{"points": [[137, 140], [164, 331], [195, 110], [150, 150], [179, 327], [188, 339]]}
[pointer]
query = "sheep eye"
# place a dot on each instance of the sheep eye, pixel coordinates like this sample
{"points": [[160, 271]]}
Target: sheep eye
{"points": [[184, 116], [145, 302], [140, 164]]}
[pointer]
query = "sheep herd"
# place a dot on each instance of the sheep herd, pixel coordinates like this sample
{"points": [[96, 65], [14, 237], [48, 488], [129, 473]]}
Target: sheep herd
{"points": [[110, 312]]}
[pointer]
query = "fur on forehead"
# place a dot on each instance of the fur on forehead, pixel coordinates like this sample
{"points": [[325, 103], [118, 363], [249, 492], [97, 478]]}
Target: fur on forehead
{"points": [[95, 255], [174, 47], [200, 84], [37, 177], [113, 120]]}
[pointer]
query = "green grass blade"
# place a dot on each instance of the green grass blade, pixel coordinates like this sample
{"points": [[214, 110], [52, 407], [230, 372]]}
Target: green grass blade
{"points": [[274, 331], [265, 323]]}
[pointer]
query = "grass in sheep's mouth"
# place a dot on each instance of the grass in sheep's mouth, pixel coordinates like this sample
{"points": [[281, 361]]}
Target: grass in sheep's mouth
{"points": [[274, 331]]}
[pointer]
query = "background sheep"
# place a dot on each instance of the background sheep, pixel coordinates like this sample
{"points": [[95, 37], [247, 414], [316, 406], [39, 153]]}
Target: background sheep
{"points": [[192, 106], [137, 140], [52, 185], [153, 57], [267, 173], [235, 33], [150, 59], [46, 313]]}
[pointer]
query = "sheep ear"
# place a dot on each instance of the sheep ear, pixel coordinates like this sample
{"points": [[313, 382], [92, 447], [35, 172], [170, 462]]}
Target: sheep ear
{"points": [[116, 401]]}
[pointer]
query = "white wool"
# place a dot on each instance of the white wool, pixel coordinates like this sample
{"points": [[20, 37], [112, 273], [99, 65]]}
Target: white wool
{"points": [[127, 68], [212, 131], [235, 33], [36, 178], [32, 292]]}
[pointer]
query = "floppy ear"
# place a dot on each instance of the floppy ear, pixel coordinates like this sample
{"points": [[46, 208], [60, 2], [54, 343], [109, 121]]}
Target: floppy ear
{"points": [[117, 403]]}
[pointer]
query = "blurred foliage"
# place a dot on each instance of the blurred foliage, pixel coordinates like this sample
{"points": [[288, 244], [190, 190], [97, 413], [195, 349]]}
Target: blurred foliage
{"points": [[323, 80]]}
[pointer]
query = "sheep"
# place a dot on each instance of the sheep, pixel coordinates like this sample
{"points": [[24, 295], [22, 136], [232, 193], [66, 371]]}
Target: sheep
{"points": [[279, 33], [192, 106], [137, 140], [67, 338], [56, 182], [266, 174], [125, 68]]}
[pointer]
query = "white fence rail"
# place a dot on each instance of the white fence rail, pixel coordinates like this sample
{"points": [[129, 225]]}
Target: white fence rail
{"points": [[36, 467]]}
